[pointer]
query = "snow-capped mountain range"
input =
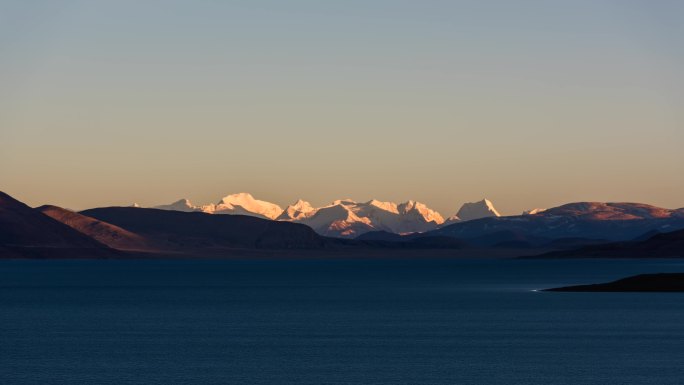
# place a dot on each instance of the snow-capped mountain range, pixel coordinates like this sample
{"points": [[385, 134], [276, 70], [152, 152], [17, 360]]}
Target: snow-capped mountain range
{"points": [[343, 218]]}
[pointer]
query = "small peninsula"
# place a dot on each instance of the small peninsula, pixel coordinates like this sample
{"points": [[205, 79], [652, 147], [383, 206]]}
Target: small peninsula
{"points": [[663, 282]]}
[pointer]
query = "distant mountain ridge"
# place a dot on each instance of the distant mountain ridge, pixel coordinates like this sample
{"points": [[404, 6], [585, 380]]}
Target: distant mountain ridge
{"points": [[236, 204], [612, 211], [589, 220], [580, 229], [344, 218]]}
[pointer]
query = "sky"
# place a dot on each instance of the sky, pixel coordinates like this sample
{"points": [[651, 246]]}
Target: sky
{"points": [[527, 103]]}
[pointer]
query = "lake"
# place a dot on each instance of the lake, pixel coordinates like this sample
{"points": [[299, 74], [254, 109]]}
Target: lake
{"points": [[338, 321]]}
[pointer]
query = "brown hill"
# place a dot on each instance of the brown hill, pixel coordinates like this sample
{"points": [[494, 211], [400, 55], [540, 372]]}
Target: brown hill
{"points": [[111, 235], [28, 232]]}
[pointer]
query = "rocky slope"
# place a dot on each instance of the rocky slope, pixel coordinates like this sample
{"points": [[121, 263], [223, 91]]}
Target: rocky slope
{"points": [[106, 233], [25, 232]]}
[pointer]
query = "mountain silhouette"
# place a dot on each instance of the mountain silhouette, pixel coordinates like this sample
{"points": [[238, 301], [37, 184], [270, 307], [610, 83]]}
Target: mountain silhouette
{"points": [[106, 233], [25, 232]]}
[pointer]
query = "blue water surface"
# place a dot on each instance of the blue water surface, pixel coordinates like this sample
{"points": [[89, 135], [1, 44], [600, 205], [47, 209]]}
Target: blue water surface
{"points": [[338, 321]]}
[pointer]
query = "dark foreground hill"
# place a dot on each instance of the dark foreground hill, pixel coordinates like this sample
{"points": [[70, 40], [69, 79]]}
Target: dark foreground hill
{"points": [[106, 233], [665, 245], [666, 282], [174, 230], [25, 232]]}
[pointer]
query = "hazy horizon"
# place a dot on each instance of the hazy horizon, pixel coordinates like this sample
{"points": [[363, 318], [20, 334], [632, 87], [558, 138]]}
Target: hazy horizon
{"points": [[529, 104]]}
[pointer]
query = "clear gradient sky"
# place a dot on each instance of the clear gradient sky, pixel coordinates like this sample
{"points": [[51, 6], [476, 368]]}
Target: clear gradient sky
{"points": [[529, 103]]}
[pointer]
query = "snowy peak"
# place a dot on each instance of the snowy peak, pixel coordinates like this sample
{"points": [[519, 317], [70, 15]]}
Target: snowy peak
{"points": [[240, 204], [298, 210], [387, 206], [477, 210], [420, 210], [302, 205], [184, 202], [245, 204], [411, 205], [179, 205], [239, 199], [343, 202], [452, 219], [490, 206], [347, 218]]}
